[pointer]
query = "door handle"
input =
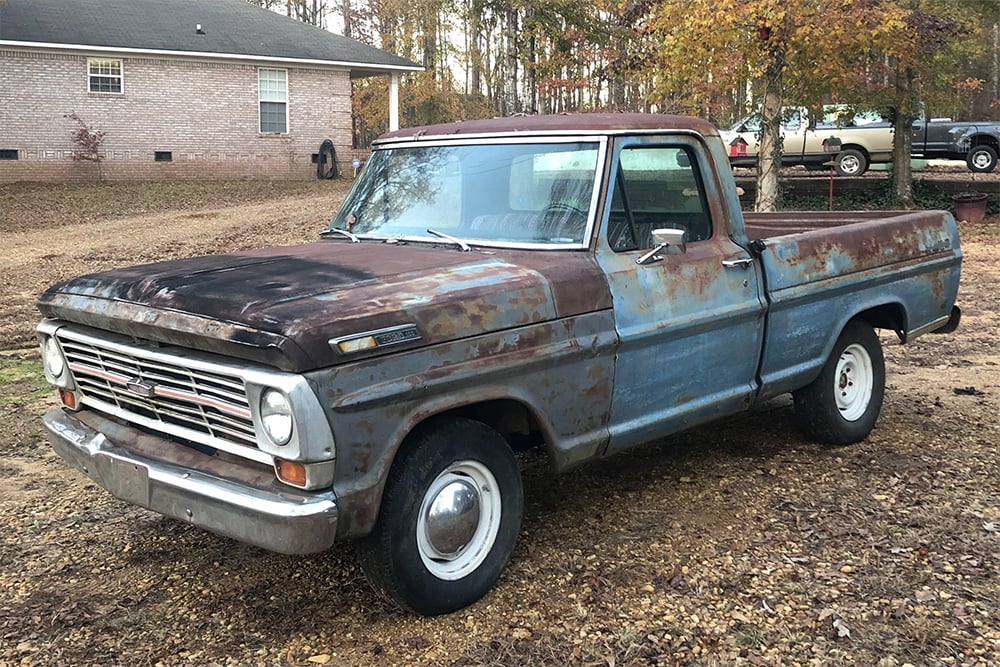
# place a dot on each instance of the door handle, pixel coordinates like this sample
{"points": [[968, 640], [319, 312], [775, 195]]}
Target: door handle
{"points": [[740, 262]]}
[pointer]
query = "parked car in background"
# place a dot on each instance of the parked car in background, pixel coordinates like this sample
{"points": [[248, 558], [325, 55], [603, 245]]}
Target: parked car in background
{"points": [[865, 138]]}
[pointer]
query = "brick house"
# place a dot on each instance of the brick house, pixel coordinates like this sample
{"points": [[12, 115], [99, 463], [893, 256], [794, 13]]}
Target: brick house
{"points": [[181, 89]]}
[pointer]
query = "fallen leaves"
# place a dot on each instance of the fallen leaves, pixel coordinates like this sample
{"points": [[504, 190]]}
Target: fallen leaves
{"points": [[738, 543], [841, 628]]}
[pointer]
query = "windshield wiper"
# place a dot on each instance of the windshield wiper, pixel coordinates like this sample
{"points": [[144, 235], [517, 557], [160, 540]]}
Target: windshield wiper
{"points": [[333, 231], [448, 237]]}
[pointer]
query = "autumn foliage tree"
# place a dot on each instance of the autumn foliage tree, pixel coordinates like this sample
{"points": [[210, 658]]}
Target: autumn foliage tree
{"points": [[713, 58], [770, 52], [919, 61]]}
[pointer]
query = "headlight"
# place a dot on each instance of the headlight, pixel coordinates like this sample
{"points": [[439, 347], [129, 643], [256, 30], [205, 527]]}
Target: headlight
{"points": [[53, 359], [276, 416]]}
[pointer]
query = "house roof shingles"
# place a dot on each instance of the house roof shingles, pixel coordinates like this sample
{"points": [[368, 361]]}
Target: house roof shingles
{"points": [[231, 28]]}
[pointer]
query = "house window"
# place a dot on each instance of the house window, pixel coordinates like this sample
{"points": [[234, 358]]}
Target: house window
{"points": [[273, 92], [8, 153], [104, 75], [163, 156]]}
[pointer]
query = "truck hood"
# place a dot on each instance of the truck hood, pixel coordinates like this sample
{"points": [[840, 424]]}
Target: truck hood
{"points": [[283, 306]]}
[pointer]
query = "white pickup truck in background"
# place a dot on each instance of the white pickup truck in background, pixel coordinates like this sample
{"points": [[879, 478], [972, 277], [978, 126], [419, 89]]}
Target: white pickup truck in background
{"points": [[865, 138]]}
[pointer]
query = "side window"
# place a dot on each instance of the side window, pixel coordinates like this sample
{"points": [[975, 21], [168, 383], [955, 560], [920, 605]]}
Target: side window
{"points": [[272, 86], [792, 119], [656, 188], [104, 75]]}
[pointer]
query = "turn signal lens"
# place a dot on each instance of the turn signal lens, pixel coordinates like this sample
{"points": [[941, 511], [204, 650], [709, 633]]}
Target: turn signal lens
{"points": [[290, 472], [68, 398], [357, 344]]}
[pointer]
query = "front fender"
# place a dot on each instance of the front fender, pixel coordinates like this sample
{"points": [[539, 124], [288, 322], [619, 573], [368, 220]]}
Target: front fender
{"points": [[561, 371]]}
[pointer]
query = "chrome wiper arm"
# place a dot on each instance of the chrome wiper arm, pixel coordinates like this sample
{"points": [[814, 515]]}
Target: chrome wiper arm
{"points": [[333, 231], [448, 237]]}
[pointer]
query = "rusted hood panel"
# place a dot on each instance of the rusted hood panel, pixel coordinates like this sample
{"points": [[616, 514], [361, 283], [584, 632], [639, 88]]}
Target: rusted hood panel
{"points": [[282, 305]]}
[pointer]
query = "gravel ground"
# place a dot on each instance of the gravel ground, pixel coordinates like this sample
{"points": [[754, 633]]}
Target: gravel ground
{"points": [[739, 543]]}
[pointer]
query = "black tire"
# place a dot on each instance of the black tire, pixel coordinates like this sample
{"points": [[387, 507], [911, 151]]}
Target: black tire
{"points": [[981, 158], [851, 162], [326, 161], [841, 406], [453, 458]]}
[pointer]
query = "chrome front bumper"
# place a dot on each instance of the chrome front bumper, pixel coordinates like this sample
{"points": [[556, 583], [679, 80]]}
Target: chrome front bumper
{"points": [[241, 501]]}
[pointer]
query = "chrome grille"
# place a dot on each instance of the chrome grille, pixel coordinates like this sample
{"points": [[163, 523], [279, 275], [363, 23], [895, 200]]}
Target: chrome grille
{"points": [[206, 406]]}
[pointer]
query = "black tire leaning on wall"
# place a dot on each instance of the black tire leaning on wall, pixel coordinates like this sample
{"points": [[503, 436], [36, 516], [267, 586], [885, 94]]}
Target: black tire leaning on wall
{"points": [[326, 161]]}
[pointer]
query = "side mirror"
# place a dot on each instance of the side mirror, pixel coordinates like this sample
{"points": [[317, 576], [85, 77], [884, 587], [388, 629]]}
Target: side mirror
{"points": [[667, 242]]}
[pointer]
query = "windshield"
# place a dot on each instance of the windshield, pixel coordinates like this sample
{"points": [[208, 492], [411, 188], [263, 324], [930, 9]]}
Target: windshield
{"points": [[494, 194]]}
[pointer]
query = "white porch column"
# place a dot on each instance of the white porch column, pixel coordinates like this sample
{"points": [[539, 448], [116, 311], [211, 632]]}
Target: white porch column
{"points": [[393, 102]]}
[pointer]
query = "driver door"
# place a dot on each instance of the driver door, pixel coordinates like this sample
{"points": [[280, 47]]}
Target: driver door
{"points": [[690, 325]]}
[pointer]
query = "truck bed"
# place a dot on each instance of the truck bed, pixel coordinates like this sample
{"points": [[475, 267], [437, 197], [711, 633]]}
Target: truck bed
{"points": [[764, 225], [821, 268], [799, 248]]}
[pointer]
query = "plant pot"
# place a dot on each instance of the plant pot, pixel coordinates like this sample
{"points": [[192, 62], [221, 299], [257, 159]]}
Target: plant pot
{"points": [[970, 206]]}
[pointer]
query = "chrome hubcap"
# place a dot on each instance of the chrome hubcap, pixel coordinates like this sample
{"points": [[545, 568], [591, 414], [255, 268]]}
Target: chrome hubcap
{"points": [[459, 520], [855, 381], [452, 519], [980, 159]]}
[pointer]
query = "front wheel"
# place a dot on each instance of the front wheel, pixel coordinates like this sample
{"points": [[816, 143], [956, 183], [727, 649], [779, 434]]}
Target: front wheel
{"points": [[449, 518], [840, 406], [981, 158], [851, 162]]}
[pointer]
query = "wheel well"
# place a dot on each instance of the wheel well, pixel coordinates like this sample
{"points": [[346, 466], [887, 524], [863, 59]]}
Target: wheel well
{"points": [[887, 316], [513, 420], [985, 140], [860, 149]]}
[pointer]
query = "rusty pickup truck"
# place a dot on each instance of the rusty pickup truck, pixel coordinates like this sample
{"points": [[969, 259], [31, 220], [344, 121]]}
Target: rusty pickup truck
{"points": [[579, 284]]}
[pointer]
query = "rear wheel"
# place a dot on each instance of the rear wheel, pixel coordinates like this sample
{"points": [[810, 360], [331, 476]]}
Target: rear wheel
{"points": [[851, 162], [840, 406], [981, 158], [449, 518]]}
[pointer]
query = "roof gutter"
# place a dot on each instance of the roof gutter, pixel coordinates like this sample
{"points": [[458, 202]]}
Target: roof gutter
{"points": [[86, 48]]}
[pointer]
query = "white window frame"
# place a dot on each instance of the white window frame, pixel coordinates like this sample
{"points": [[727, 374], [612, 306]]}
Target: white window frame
{"points": [[271, 96], [120, 76]]}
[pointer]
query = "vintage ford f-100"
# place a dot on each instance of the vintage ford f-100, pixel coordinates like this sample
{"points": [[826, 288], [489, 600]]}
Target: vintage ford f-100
{"points": [[578, 283]]}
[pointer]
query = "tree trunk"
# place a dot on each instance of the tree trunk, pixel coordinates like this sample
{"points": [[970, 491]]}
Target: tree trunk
{"points": [[530, 74], [348, 16], [995, 66], [769, 149], [475, 49], [902, 174], [510, 70]]}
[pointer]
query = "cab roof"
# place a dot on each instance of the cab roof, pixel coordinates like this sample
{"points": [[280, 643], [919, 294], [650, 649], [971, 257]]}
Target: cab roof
{"points": [[575, 123]]}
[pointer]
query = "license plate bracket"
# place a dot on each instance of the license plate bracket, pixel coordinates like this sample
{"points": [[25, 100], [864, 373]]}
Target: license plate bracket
{"points": [[127, 480]]}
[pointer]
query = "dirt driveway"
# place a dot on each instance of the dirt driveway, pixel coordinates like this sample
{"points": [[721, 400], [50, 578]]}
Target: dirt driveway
{"points": [[735, 544]]}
